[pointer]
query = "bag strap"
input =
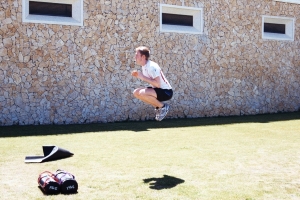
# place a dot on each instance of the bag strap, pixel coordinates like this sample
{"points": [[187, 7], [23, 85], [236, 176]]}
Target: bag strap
{"points": [[47, 174], [63, 172]]}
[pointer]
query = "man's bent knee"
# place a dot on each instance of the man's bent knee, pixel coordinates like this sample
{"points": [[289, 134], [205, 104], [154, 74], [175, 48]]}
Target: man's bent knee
{"points": [[137, 93]]}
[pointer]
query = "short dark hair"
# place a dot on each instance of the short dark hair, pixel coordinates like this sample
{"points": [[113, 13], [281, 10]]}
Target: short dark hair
{"points": [[144, 51]]}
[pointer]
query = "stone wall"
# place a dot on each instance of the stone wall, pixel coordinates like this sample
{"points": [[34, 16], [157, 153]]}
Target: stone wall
{"points": [[56, 74]]}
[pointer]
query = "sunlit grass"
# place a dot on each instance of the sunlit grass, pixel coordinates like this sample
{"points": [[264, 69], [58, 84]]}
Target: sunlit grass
{"points": [[254, 157]]}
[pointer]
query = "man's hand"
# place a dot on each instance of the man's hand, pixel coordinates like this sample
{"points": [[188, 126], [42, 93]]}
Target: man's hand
{"points": [[135, 73]]}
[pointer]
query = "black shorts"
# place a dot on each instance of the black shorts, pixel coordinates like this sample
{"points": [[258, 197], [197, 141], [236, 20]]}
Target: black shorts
{"points": [[163, 94]]}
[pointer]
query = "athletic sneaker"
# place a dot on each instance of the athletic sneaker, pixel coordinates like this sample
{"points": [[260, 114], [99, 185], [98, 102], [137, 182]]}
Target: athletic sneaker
{"points": [[157, 111], [163, 112]]}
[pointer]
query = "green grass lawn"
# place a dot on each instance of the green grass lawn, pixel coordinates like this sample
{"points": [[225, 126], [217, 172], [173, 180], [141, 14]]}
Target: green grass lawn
{"points": [[248, 157]]}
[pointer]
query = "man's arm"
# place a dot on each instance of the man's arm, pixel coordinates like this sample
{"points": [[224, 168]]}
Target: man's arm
{"points": [[155, 82]]}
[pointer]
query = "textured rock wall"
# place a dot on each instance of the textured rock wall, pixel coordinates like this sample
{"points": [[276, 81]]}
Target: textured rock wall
{"points": [[70, 74]]}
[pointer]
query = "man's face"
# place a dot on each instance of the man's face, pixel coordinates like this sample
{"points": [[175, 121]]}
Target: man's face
{"points": [[139, 58]]}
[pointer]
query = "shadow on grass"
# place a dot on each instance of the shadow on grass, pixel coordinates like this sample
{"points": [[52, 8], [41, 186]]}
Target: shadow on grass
{"points": [[34, 130], [47, 194], [166, 182]]}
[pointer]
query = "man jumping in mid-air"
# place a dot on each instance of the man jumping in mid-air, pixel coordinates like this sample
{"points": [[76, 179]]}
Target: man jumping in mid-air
{"points": [[160, 89]]}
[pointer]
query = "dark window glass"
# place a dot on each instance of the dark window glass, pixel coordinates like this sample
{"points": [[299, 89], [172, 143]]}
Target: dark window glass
{"points": [[274, 28], [172, 19], [50, 9]]}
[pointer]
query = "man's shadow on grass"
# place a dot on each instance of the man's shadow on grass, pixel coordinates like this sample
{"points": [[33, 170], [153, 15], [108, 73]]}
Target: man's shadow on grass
{"points": [[166, 182]]}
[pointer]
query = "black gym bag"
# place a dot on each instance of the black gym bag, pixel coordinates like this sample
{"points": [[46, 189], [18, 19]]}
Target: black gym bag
{"points": [[67, 182], [48, 183]]}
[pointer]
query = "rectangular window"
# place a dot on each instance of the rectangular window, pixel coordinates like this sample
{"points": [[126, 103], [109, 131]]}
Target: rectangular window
{"points": [[173, 19], [278, 28], [181, 19], [50, 9], [290, 1], [274, 28], [64, 12]]}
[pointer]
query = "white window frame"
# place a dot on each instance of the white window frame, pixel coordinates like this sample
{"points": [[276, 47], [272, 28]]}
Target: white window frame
{"points": [[197, 14], [76, 19], [289, 28], [290, 1]]}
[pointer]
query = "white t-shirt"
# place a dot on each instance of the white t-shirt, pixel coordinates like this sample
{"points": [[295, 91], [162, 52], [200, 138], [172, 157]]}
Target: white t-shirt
{"points": [[152, 70]]}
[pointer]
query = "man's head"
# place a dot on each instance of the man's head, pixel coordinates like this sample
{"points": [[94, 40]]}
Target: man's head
{"points": [[142, 55]]}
